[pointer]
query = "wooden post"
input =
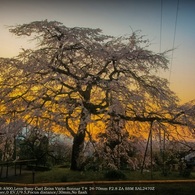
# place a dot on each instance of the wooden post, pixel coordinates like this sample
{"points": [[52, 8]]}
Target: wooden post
{"points": [[164, 171], [7, 169], [145, 154], [15, 168], [151, 152], [1, 171], [33, 176], [20, 168]]}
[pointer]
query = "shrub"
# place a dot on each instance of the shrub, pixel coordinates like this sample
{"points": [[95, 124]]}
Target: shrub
{"points": [[115, 175], [64, 178], [38, 168]]}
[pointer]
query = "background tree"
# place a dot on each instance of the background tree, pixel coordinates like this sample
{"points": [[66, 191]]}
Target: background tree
{"points": [[46, 147], [34, 144], [10, 128], [68, 79]]}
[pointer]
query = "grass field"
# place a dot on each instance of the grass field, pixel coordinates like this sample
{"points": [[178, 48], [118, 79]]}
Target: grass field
{"points": [[134, 182], [60, 174]]}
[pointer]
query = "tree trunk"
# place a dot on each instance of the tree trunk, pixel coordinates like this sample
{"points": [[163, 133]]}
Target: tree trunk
{"points": [[78, 143], [77, 151]]}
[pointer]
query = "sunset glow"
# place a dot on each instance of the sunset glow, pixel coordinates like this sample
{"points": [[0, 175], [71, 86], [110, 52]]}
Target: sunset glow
{"points": [[116, 18]]}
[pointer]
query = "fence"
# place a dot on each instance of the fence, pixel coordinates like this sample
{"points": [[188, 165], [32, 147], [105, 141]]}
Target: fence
{"points": [[16, 163]]}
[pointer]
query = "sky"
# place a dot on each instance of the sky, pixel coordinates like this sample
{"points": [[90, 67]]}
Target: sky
{"points": [[155, 18]]}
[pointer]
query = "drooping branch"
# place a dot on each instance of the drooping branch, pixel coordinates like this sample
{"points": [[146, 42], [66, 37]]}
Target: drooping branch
{"points": [[172, 121]]}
